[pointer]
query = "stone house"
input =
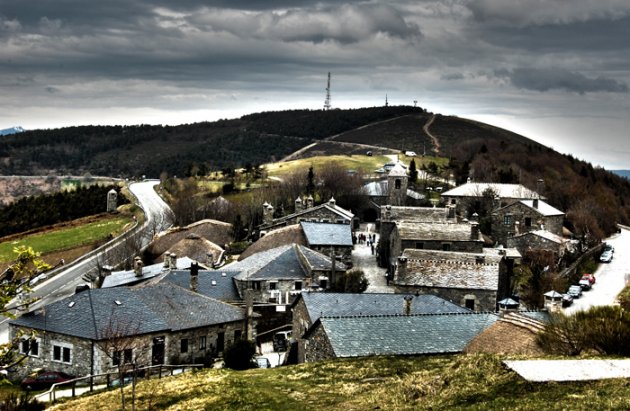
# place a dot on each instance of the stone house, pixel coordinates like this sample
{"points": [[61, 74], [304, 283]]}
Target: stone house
{"points": [[280, 274], [473, 280], [524, 216], [160, 324], [473, 197], [541, 240], [329, 237], [309, 307], [142, 273], [328, 212], [414, 334], [393, 215]]}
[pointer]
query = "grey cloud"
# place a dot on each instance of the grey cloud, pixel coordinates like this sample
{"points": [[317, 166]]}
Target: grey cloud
{"points": [[452, 76], [560, 79], [52, 90]]}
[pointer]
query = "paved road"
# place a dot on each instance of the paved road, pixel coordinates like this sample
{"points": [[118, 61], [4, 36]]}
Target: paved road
{"points": [[610, 277], [363, 259], [64, 282]]}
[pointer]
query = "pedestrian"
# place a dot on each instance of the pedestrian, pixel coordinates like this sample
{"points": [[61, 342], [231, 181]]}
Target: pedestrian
{"points": [[372, 248]]}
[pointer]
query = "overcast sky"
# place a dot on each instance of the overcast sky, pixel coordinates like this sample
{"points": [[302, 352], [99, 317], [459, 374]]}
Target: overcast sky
{"points": [[556, 71]]}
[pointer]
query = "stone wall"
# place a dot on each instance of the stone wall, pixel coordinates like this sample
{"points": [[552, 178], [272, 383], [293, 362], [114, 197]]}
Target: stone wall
{"points": [[520, 214], [485, 300], [316, 347]]}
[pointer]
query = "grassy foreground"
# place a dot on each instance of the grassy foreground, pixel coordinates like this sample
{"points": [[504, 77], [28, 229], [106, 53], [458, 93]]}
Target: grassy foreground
{"points": [[476, 382]]}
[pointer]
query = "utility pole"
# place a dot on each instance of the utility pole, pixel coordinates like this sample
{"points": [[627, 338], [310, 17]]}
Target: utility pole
{"points": [[327, 101]]}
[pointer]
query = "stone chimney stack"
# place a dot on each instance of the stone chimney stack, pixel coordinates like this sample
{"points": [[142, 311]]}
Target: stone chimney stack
{"points": [[309, 201], [249, 313], [517, 228], [194, 276], [401, 270], [451, 211], [173, 262], [408, 300], [267, 213], [167, 259], [474, 231], [209, 259], [535, 203], [298, 204], [137, 266], [332, 201]]}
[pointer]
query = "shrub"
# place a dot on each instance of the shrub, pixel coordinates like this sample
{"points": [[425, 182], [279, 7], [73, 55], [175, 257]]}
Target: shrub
{"points": [[351, 282], [240, 355]]}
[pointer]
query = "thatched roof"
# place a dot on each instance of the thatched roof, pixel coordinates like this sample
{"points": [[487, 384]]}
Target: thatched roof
{"points": [[282, 236], [507, 337], [196, 248], [215, 231]]}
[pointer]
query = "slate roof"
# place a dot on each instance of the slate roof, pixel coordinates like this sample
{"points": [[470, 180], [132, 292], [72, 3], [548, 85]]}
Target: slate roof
{"points": [[547, 235], [365, 304], [330, 205], [284, 262], [446, 269], [502, 190], [322, 234], [379, 189], [398, 170], [217, 284], [196, 248], [436, 231], [403, 335], [417, 214], [154, 308], [543, 208], [215, 231], [118, 278]]}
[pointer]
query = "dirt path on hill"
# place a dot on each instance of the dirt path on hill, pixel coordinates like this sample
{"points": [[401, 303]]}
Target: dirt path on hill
{"points": [[436, 142]]}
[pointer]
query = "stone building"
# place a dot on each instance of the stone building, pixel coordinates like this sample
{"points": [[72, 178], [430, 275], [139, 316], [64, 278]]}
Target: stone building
{"points": [[393, 215], [310, 307], [328, 212], [280, 274], [524, 216], [473, 280], [160, 324], [327, 238], [414, 334], [474, 197], [541, 240]]}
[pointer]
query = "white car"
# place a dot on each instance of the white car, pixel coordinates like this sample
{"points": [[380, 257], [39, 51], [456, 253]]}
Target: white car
{"points": [[606, 256]]}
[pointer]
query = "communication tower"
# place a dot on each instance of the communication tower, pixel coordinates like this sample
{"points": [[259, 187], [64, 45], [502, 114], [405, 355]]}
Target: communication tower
{"points": [[327, 101]]}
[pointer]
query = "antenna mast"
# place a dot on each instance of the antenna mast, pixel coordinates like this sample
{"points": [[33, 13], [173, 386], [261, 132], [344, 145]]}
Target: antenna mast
{"points": [[327, 101]]}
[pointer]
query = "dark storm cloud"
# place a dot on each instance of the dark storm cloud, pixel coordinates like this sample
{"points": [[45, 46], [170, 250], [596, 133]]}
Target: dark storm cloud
{"points": [[559, 79]]}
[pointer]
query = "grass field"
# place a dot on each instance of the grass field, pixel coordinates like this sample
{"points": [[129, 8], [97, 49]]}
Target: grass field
{"points": [[473, 382], [62, 238]]}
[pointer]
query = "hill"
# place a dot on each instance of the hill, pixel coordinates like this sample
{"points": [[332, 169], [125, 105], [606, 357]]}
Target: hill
{"points": [[386, 383]]}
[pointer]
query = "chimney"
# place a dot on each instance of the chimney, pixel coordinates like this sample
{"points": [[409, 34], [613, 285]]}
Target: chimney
{"points": [[249, 314], [535, 203], [408, 299], [106, 270], [332, 201], [401, 271], [451, 211], [388, 213], [209, 259], [137, 266], [267, 213], [173, 261], [167, 259], [309, 201], [474, 231], [298, 204], [194, 276], [517, 226]]}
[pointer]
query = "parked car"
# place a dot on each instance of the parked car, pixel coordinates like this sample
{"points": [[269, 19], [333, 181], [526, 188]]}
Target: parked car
{"points": [[589, 277], [606, 257], [567, 300], [609, 247], [44, 379], [585, 284], [281, 340], [262, 362], [575, 291]]}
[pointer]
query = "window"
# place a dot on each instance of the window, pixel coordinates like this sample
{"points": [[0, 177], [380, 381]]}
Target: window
{"points": [[446, 247], [202, 343], [255, 285], [528, 221], [62, 352], [126, 355], [397, 183], [237, 334], [273, 285], [507, 219], [470, 303], [419, 246], [30, 347], [184, 345], [298, 285]]}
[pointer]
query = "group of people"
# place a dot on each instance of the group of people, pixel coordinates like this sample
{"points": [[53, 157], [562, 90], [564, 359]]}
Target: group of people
{"points": [[367, 239]]}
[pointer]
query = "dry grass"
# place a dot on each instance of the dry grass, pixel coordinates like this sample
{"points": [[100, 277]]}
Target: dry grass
{"points": [[384, 383]]}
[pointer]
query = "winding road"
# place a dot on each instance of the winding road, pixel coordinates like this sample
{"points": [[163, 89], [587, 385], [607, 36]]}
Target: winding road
{"points": [[64, 280]]}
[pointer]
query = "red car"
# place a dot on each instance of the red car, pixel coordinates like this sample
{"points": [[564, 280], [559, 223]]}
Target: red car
{"points": [[44, 380], [589, 277]]}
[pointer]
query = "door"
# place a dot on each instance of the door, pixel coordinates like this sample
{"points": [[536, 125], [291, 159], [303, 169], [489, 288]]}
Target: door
{"points": [[157, 351], [220, 342]]}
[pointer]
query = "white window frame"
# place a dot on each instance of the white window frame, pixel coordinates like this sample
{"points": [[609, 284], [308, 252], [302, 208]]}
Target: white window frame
{"points": [[61, 345], [39, 346]]}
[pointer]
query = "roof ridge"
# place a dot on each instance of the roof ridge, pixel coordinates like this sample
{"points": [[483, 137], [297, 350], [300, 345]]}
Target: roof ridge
{"points": [[407, 315]]}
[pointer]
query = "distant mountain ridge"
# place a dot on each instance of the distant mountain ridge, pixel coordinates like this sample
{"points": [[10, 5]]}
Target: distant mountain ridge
{"points": [[622, 173], [12, 130]]}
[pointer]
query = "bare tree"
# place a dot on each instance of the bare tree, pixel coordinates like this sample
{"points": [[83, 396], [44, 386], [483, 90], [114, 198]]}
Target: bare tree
{"points": [[119, 341]]}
